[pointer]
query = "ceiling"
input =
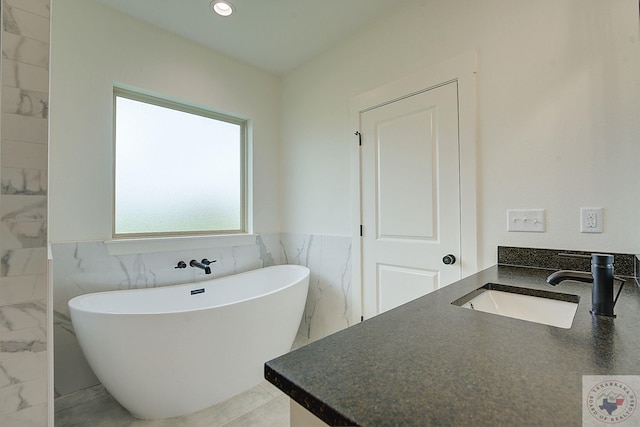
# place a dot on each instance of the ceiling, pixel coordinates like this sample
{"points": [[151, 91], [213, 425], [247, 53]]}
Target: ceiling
{"points": [[274, 35]]}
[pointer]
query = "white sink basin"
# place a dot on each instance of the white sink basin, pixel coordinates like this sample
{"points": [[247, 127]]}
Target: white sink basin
{"points": [[547, 308]]}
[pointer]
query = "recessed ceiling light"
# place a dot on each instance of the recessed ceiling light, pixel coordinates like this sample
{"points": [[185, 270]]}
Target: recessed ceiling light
{"points": [[222, 7]]}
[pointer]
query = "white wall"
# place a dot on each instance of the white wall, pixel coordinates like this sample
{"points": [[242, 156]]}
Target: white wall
{"points": [[558, 99], [94, 47], [558, 94]]}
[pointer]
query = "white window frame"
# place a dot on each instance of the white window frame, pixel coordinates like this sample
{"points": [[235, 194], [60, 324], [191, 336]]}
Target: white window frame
{"points": [[184, 107]]}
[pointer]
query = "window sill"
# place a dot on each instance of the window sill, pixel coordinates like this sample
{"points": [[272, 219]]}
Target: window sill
{"points": [[167, 244]]}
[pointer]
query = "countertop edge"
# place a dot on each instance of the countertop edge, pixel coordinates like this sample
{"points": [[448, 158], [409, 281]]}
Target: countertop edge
{"points": [[316, 406]]}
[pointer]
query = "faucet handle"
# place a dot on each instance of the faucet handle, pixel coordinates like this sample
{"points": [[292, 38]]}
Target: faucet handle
{"points": [[207, 262], [181, 264]]}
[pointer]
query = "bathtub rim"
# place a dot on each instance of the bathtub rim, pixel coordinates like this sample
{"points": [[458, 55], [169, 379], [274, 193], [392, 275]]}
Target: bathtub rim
{"points": [[194, 285]]}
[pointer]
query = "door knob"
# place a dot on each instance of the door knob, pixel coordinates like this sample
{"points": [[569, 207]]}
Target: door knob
{"points": [[449, 259]]}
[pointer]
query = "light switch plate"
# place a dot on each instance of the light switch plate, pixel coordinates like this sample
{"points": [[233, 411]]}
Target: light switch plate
{"points": [[591, 220], [528, 220]]}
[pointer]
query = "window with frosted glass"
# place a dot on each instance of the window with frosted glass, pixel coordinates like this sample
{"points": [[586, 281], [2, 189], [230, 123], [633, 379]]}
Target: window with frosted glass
{"points": [[179, 170]]}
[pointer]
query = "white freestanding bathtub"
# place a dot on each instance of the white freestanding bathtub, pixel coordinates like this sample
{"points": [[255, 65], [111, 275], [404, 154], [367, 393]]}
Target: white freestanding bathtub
{"points": [[173, 350]]}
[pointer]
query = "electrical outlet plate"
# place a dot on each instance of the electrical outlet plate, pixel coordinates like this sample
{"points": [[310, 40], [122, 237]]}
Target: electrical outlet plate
{"points": [[528, 220], [591, 220]]}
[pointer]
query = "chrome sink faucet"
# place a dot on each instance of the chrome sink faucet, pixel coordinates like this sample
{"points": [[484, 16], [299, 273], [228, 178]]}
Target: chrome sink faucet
{"points": [[602, 301]]}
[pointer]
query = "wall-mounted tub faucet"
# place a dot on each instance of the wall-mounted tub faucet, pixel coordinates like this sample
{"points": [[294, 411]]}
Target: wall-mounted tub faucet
{"points": [[602, 301], [204, 265]]}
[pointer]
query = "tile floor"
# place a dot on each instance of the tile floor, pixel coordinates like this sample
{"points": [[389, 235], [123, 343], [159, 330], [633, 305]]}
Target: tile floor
{"points": [[262, 406]]}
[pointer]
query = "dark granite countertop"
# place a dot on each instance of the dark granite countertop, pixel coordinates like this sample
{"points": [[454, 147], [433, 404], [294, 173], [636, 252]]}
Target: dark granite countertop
{"points": [[429, 362]]}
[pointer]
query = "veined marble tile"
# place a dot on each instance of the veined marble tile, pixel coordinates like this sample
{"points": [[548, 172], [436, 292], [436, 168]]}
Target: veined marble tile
{"points": [[23, 254], [20, 235], [24, 155], [158, 269], [25, 341], [25, 102], [23, 316], [329, 302], [233, 260], [33, 416], [8, 239], [25, 76], [85, 267], [78, 268], [23, 262], [19, 289], [39, 7], [23, 235], [80, 257], [16, 127], [26, 24], [22, 49], [23, 208], [24, 395], [269, 247], [29, 182], [26, 227], [71, 370], [22, 369]]}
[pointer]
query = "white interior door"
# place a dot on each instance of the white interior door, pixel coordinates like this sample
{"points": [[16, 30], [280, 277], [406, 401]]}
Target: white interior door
{"points": [[410, 197]]}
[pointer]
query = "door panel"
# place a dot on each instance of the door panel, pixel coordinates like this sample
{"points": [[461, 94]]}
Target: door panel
{"points": [[410, 197], [400, 213], [397, 285]]}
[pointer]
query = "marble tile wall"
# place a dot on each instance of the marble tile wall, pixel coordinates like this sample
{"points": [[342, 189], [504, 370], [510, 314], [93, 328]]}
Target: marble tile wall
{"points": [[23, 212], [85, 267], [329, 302]]}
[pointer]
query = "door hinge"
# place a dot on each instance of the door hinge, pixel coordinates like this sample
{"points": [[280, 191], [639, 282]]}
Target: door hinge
{"points": [[359, 135], [361, 230]]}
